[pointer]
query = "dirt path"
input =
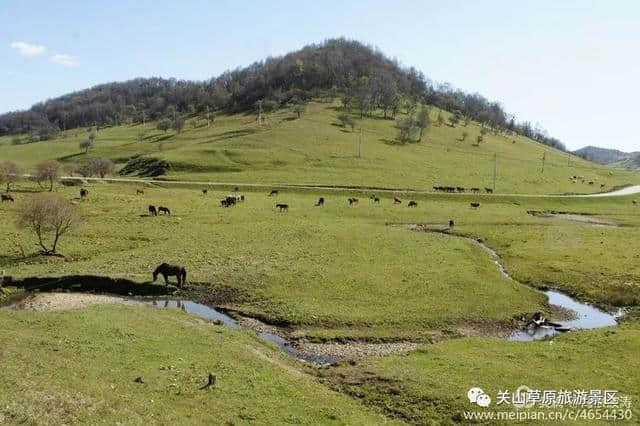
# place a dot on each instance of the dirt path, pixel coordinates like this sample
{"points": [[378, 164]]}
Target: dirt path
{"points": [[44, 302], [634, 189]]}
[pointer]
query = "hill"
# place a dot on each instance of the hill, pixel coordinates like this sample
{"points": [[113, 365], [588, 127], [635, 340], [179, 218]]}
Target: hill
{"points": [[317, 149], [361, 76], [630, 160]]}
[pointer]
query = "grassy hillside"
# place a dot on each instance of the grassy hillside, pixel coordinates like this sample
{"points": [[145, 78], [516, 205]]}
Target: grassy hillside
{"points": [[430, 385], [79, 366], [316, 150]]}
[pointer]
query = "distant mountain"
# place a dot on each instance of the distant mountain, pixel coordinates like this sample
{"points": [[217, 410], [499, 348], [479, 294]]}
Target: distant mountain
{"points": [[613, 157]]}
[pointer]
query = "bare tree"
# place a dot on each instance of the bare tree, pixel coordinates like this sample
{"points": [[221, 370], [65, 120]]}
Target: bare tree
{"points": [[101, 166], [299, 109], [49, 216], [423, 121], [347, 120], [10, 173], [86, 145], [48, 170], [405, 128]]}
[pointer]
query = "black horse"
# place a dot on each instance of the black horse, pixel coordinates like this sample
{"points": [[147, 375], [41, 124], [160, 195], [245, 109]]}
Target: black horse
{"points": [[164, 210], [205, 191], [8, 197], [396, 200], [320, 201], [451, 223], [474, 205], [283, 207], [352, 201], [375, 199], [413, 203], [84, 193], [153, 211], [273, 192], [167, 271]]}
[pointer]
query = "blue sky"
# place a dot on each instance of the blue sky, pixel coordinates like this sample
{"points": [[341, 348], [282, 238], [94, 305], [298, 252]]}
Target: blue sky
{"points": [[572, 66]]}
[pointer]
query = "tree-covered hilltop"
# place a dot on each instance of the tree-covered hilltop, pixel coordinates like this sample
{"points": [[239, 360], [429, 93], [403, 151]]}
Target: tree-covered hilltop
{"points": [[363, 77]]}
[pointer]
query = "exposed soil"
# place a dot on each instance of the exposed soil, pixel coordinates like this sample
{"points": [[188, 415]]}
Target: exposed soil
{"points": [[572, 216], [357, 350], [43, 302]]}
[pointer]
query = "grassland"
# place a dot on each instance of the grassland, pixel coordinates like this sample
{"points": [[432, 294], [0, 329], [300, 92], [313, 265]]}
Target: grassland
{"points": [[330, 267], [316, 150], [79, 366], [336, 272], [430, 385]]}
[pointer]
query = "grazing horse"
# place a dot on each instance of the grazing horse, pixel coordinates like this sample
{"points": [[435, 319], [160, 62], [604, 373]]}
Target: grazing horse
{"points": [[634, 201], [475, 205], [459, 189], [451, 223], [412, 204], [320, 201], [153, 211], [273, 192], [167, 271], [84, 193], [375, 199], [489, 190], [205, 191], [164, 210], [139, 192], [8, 197], [283, 207], [353, 201], [476, 190], [396, 200]]}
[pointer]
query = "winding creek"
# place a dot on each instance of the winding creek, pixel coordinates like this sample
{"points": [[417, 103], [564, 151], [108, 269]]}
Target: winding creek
{"points": [[585, 316]]}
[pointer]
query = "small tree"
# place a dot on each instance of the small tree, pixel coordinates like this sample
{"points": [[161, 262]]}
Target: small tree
{"points": [[164, 124], [92, 137], [299, 109], [178, 124], [405, 128], [440, 119], [478, 140], [49, 216], [48, 170], [10, 173], [347, 120], [464, 136], [101, 166], [86, 145], [423, 121]]}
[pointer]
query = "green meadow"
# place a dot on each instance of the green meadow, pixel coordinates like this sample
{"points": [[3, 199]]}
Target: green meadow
{"points": [[331, 273]]}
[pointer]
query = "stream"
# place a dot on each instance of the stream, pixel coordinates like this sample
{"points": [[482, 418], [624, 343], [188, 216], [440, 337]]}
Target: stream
{"points": [[587, 316], [212, 314]]}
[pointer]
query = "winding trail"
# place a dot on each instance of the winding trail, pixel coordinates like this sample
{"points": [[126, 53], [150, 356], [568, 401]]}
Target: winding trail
{"points": [[629, 190]]}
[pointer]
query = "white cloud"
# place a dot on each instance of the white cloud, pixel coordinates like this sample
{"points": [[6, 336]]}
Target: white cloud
{"points": [[27, 49], [66, 60]]}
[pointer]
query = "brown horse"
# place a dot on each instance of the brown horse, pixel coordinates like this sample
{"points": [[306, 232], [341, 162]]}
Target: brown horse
{"points": [[84, 193], [7, 197], [167, 271]]}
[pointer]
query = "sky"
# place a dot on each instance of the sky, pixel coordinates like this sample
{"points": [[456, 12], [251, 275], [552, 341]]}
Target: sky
{"points": [[572, 66]]}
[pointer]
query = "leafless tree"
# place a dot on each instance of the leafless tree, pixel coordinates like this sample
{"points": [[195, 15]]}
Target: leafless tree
{"points": [[10, 173], [49, 216], [48, 170], [86, 145], [423, 121], [101, 166]]}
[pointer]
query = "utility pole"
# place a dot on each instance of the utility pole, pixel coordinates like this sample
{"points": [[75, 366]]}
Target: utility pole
{"points": [[208, 120], [360, 144], [495, 170], [144, 122], [544, 156]]}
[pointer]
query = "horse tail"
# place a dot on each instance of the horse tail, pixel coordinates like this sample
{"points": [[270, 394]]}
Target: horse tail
{"points": [[184, 276]]}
